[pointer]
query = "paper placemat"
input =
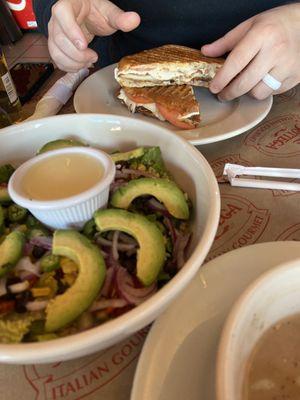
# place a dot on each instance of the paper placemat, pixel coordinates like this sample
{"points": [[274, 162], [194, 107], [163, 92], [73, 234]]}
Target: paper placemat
{"points": [[248, 216]]}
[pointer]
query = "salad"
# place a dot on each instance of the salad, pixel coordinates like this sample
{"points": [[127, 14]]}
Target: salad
{"points": [[53, 284]]}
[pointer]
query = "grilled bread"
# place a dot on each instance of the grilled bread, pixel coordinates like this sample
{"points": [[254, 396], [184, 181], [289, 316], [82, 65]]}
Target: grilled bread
{"points": [[167, 65]]}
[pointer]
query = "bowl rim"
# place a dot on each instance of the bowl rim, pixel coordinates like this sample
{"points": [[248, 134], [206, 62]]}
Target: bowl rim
{"points": [[232, 320], [65, 202], [85, 343]]}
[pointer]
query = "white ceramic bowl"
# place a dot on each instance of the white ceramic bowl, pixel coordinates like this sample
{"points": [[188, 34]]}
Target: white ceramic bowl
{"points": [[269, 299], [190, 170], [70, 212]]}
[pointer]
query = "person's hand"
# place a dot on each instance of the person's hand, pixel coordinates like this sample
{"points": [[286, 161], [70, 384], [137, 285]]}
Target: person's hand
{"points": [[73, 25], [266, 43]]}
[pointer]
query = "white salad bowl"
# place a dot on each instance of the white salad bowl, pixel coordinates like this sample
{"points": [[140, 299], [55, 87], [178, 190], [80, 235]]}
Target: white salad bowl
{"points": [[109, 133]]}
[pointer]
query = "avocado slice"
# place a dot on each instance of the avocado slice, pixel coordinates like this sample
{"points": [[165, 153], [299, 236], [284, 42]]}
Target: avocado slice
{"points": [[164, 190], [4, 196], [11, 251], [128, 155], [59, 144], [151, 254], [66, 307]]}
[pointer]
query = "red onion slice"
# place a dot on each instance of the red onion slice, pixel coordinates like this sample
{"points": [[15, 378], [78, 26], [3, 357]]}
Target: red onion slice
{"points": [[128, 291], [36, 305], [155, 205], [108, 283], [42, 241], [3, 290], [105, 303], [169, 224], [28, 249], [108, 243], [25, 264], [127, 239], [115, 253]]}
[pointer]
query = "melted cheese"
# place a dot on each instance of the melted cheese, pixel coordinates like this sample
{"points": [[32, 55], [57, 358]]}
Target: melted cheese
{"points": [[193, 72]]}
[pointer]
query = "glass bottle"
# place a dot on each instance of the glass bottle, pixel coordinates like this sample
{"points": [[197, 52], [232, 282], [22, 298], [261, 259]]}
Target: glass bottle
{"points": [[10, 105]]}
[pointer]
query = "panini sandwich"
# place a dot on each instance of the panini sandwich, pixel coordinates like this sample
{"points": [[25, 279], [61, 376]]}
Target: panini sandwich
{"points": [[175, 104], [167, 65]]}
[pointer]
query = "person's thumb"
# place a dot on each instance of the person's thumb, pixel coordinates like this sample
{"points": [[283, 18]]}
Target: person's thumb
{"points": [[227, 42], [118, 19]]}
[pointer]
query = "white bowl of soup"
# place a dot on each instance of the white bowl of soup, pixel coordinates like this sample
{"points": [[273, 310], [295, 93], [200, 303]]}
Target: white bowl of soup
{"points": [[63, 188], [111, 134], [259, 352]]}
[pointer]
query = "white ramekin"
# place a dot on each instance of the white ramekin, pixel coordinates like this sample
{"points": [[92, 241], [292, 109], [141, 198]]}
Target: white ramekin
{"points": [[70, 212], [272, 297]]}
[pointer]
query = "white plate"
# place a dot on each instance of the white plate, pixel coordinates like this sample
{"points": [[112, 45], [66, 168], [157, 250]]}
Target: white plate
{"points": [[97, 94], [178, 358]]}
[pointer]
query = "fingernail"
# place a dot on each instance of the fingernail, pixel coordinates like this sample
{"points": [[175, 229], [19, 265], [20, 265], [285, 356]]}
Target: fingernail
{"points": [[213, 88], [79, 44]]}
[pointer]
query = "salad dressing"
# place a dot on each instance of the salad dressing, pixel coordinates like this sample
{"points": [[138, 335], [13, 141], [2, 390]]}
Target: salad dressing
{"points": [[61, 176]]}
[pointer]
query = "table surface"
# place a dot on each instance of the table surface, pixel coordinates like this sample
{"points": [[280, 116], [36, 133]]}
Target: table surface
{"points": [[248, 216]]}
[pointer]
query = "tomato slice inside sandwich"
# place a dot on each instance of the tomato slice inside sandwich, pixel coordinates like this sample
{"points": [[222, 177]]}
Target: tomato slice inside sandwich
{"points": [[172, 117]]}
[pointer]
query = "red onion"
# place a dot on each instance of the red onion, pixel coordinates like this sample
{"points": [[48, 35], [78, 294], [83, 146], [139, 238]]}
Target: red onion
{"points": [[42, 241], [121, 246], [122, 175], [31, 278], [36, 305], [25, 264], [104, 254], [108, 283], [127, 239], [19, 287], [104, 303], [115, 253], [128, 291], [28, 249], [155, 205], [169, 224], [117, 184], [3, 290]]}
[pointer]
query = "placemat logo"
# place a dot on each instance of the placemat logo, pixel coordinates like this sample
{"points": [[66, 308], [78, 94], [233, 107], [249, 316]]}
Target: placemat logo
{"points": [[219, 163], [278, 137], [77, 379], [290, 233], [286, 96], [241, 224]]}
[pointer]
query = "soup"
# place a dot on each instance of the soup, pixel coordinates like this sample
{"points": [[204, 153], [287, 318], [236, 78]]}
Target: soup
{"points": [[273, 371], [61, 176]]}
